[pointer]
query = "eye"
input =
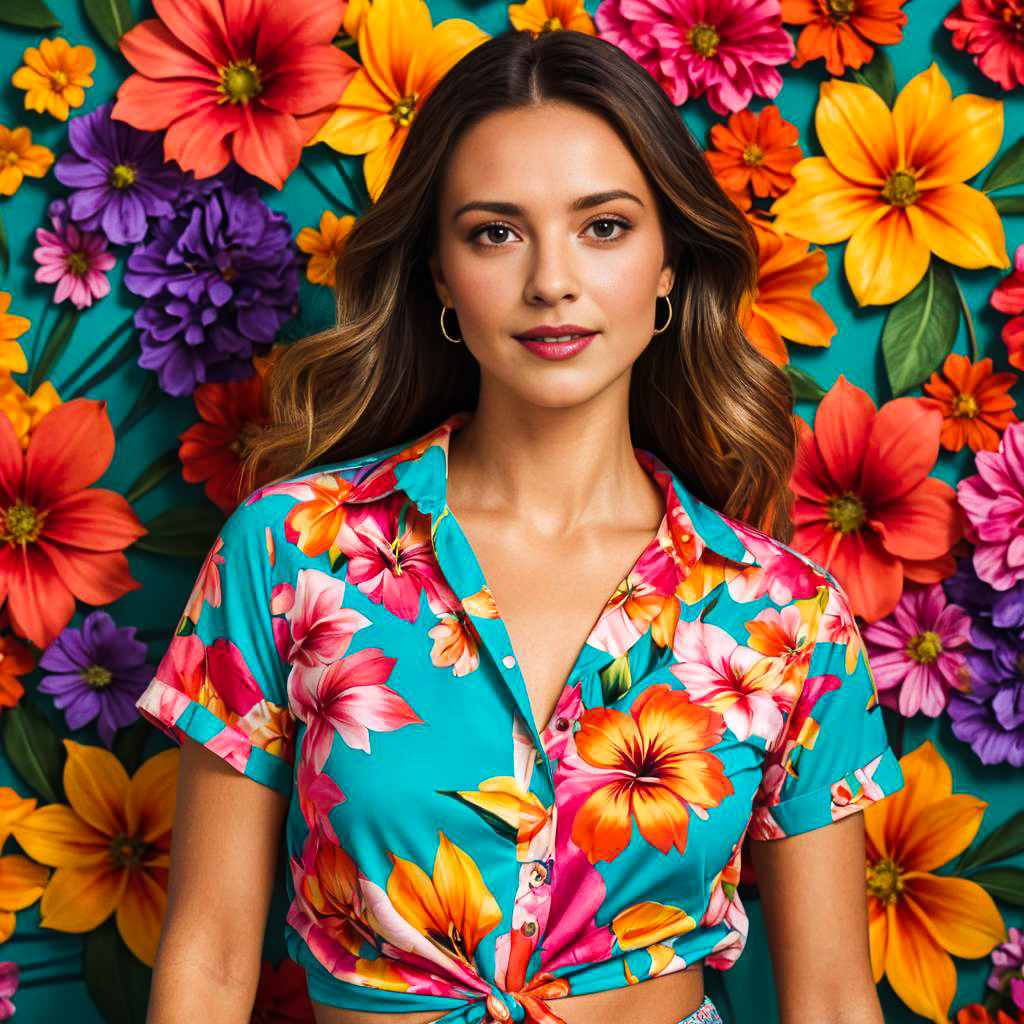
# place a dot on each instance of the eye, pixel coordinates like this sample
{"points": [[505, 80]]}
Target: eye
{"points": [[499, 226]]}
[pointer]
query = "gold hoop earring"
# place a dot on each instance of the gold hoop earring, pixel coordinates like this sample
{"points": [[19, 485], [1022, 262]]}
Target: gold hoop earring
{"points": [[444, 309], [669, 320]]}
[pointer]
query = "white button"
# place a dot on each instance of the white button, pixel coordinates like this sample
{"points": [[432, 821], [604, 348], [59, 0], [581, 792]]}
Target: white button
{"points": [[508, 661]]}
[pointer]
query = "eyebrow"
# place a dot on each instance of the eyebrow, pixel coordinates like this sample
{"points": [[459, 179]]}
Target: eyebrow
{"points": [[514, 210]]}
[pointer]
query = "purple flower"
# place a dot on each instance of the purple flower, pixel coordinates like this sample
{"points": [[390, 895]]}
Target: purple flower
{"points": [[9, 978], [1008, 964], [77, 260], [990, 715], [119, 174], [218, 278], [917, 652], [97, 671]]}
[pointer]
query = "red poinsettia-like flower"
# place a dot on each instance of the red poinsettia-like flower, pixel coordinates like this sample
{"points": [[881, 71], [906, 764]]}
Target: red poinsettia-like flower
{"points": [[865, 506], [62, 540], [248, 80]]}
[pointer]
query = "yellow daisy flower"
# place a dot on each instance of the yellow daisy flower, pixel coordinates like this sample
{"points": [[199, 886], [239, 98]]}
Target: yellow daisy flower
{"points": [[55, 76], [538, 16], [324, 247], [24, 410], [19, 157]]}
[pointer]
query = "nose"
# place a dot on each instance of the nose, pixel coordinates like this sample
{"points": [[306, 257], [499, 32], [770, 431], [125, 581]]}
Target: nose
{"points": [[553, 274]]}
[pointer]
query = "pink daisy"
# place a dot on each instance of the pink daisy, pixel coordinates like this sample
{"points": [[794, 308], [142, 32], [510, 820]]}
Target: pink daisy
{"points": [[77, 260], [994, 502], [991, 31], [1008, 297], [919, 651], [725, 48]]}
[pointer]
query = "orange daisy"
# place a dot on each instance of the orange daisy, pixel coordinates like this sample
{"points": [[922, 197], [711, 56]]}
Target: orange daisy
{"points": [[755, 151], [12, 326], [537, 16], [976, 406], [843, 31], [324, 245], [55, 76], [20, 158]]}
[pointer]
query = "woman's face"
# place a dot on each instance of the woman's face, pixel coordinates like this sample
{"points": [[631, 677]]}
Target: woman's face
{"points": [[537, 249]]}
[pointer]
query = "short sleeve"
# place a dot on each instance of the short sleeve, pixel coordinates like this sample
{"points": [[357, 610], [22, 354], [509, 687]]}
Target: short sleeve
{"points": [[834, 757], [222, 680]]}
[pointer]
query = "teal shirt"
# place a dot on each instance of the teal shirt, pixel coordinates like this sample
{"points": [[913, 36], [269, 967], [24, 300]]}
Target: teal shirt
{"points": [[447, 853]]}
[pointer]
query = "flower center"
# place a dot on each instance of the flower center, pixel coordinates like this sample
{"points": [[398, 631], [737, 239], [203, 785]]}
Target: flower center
{"points": [[58, 79], [703, 39], [753, 154], [924, 648], [885, 880], [965, 407], [77, 263], [239, 82], [403, 110], [128, 851], [840, 10], [21, 524], [10, 156], [241, 440], [122, 176], [98, 677], [1013, 15], [845, 512], [551, 25], [901, 189]]}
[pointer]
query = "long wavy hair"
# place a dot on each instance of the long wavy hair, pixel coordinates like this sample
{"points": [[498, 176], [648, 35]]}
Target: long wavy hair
{"points": [[702, 398]]}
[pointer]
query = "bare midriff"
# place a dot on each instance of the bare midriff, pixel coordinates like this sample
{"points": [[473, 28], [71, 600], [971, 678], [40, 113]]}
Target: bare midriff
{"points": [[663, 1000]]}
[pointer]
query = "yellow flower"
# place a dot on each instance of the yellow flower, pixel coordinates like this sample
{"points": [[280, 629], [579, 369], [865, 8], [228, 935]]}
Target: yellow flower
{"points": [[110, 847], [892, 182], [539, 16], [917, 919], [324, 246], [19, 157], [22, 410], [12, 358], [55, 76], [21, 880], [405, 56]]}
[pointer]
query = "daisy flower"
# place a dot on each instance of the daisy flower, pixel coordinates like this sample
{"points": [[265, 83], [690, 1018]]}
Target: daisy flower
{"points": [[324, 246], [55, 76], [76, 260], [990, 31], [18, 158], [755, 151]]}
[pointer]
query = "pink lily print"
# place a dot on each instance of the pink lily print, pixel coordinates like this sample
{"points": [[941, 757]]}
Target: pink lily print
{"points": [[206, 589], [784, 575]]}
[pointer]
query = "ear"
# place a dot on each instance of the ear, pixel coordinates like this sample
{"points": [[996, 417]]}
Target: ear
{"points": [[438, 277], [666, 280]]}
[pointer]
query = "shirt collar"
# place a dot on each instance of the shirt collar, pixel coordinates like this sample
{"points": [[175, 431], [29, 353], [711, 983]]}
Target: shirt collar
{"points": [[420, 470]]}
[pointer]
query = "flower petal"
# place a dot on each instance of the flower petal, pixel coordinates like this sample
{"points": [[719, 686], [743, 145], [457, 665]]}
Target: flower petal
{"points": [[884, 258], [149, 809], [960, 225], [823, 206], [941, 831], [55, 835], [925, 96], [902, 448], [79, 900], [140, 914], [855, 128], [958, 914], [97, 787], [920, 971], [960, 143]]}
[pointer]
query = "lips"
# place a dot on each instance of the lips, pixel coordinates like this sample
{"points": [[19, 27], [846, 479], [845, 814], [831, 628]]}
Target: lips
{"points": [[557, 349]]}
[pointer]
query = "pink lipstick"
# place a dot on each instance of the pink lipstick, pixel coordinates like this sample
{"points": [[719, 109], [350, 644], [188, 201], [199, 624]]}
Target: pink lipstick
{"points": [[558, 349]]}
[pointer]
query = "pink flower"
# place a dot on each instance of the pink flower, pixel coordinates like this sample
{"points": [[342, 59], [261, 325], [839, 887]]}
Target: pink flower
{"points": [[994, 502], [9, 976], [77, 260], [990, 30], [918, 652], [1008, 297], [725, 48]]}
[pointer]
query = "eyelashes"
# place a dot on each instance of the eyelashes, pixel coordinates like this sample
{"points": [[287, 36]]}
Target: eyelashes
{"points": [[619, 221]]}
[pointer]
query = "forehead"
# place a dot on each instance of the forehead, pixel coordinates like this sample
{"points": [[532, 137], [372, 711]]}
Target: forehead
{"points": [[550, 153]]}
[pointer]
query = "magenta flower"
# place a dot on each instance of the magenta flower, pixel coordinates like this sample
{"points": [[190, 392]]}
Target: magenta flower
{"points": [[918, 652], [77, 260], [990, 31], [728, 49], [1008, 297], [994, 502], [9, 977], [1007, 965]]}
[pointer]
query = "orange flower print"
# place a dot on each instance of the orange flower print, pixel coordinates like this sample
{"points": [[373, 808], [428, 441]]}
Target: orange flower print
{"points": [[650, 765], [456, 643]]}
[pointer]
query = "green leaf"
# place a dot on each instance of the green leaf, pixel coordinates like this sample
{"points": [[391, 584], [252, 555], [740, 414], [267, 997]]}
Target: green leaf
{"points": [[5, 249], [504, 829], [1007, 171], [878, 74], [130, 741], [111, 19], [803, 384], [157, 471], [34, 750], [54, 347], [1008, 205], [616, 679], [1000, 844], [28, 14], [1003, 884], [148, 398], [920, 329], [187, 532], [117, 981]]}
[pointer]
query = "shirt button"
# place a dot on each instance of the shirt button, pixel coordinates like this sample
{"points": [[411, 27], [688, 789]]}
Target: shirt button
{"points": [[538, 757], [508, 661], [561, 724]]}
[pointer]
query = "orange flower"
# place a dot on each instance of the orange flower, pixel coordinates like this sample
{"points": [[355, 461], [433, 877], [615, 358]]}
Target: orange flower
{"points": [[404, 56], [782, 306], [537, 16], [55, 76], [324, 245], [21, 880], [12, 357], [25, 412], [755, 151], [976, 406], [917, 918], [18, 158], [16, 659], [842, 31], [62, 540], [231, 412]]}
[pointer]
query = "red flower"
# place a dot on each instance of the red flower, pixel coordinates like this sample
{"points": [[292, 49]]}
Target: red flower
{"points": [[230, 410], [62, 541], [248, 80], [990, 31], [281, 995], [866, 507], [1008, 297]]}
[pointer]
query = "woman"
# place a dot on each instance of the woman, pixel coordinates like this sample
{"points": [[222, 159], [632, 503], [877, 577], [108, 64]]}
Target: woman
{"points": [[503, 643]]}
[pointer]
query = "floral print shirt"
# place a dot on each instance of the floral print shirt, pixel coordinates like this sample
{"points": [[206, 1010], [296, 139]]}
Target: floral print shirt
{"points": [[445, 854]]}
